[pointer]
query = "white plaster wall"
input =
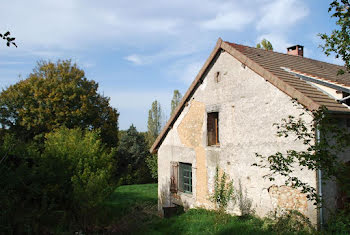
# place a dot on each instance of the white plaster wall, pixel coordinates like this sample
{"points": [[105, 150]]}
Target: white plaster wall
{"points": [[248, 107]]}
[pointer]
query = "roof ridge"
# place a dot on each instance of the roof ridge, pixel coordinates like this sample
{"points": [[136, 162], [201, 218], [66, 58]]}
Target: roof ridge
{"points": [[302, 57]]}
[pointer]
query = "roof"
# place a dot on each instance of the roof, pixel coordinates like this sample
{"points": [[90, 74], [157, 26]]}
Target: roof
{"points": [[271, 66]]}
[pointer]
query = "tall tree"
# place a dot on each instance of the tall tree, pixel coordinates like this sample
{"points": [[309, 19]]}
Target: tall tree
{"points": [[54, 95], [175, 101], [154, 128], [265, 44], [154, 121], [338, 41]]}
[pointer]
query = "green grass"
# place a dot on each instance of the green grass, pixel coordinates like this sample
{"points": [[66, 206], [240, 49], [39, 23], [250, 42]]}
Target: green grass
{"points": [[200, 221], [132, 208], [128, 197], [135, 212]]}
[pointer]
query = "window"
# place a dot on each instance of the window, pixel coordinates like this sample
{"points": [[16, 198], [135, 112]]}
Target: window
{"points": [[213, 128], [185, 177]]}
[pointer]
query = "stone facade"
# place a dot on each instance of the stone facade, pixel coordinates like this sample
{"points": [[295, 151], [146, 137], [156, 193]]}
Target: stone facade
{"points": [[288, 198], [248, 106]]}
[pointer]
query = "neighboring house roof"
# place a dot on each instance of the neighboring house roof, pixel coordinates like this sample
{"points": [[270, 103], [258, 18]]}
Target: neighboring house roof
{"points": [[280, 70]]}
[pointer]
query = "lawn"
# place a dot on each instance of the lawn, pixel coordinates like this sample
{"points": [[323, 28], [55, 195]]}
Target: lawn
{"points": [[133, 208], [135, 211], [128, 197]]}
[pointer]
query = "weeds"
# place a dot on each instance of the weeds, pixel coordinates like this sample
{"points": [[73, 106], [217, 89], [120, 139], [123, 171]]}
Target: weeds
{"points": [[223, 191]]}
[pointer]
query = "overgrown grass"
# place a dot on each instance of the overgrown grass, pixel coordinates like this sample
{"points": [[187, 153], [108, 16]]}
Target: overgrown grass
{"points": [[200, 221], [133, 208], [135, 212], [125, 198]]}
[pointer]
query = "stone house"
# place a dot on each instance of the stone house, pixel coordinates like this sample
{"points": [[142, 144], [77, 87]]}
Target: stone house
{"points": [[227, 116]]}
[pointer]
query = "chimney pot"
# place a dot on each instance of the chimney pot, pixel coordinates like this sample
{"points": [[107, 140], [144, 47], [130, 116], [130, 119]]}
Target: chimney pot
{"points": [[296, 50]]}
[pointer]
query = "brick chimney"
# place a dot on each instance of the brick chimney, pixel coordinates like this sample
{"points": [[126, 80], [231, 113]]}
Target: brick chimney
{"points": [[296, 50]]}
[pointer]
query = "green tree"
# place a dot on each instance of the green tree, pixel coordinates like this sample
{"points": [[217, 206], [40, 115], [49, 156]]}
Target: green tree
{"points": [[265, 44], [338, 41], [154, 128], [53, 95], [76, 168], [154, 121], [62, 186], [20, 192], [152, 163], [132, 154], [175, 101]]}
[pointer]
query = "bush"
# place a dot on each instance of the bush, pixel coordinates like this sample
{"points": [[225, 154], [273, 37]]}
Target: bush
{"points": [[289, 222], [58, 187], [78, 169], [339, 223]]}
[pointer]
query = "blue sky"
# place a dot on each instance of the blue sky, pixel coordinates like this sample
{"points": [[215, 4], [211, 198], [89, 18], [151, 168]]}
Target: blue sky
{"points": [[139, 51]]}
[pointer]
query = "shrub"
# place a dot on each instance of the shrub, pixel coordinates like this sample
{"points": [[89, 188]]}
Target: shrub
{"points": [[289, 222], [77, 170], [223, 191], [339, 223]]}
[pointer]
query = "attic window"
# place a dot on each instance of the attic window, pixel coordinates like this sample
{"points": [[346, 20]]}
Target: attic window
{"points": [[213, 128], [217, 77]]}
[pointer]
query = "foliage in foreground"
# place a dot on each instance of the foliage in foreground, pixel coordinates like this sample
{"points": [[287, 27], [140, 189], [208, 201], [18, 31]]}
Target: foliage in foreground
{"points": [[338, 42], [323, 154], [201, 221], [339, 223], [135, 208], [223, 191], [61, 187]]}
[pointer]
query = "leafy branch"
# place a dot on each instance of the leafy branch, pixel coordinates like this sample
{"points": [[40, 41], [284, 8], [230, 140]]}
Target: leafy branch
{"points": [[338, 41], [321, 151], [10, 40]]}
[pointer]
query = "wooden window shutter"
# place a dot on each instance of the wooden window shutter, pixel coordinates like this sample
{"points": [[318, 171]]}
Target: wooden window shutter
{"points": [[213, 128], [174, 177]]}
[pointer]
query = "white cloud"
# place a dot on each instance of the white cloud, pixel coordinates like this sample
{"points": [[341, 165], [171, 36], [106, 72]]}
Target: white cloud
{"points": [[281, 14], [233, 20], [136, 59], [172, 52], [70, 24]]}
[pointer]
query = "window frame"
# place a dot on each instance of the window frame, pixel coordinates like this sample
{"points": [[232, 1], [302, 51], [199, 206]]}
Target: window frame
{"points": [[185, 177], [213, 122]]}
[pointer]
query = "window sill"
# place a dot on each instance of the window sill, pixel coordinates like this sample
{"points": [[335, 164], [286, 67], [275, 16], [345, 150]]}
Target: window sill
{"points": [[214, 145], [185, 193]]}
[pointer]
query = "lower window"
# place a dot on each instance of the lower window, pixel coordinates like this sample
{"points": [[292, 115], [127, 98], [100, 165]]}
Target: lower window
{"points": [[185, 177]]}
